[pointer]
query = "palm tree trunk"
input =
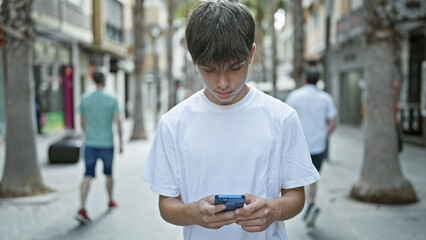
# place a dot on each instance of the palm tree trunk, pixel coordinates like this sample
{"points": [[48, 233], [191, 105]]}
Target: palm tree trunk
{"points": [[381, 177], [259, 40], [170, 19], [298, 42], [21, 176], [273, 9], [138, 131]]}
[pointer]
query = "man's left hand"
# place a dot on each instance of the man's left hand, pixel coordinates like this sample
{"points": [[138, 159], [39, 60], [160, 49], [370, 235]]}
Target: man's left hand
{"points": [[256, 216]]}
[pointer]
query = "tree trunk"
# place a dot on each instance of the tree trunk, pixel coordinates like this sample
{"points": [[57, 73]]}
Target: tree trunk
{"points": [[272, 10], [21, 176], [259, 56], [298, 43], [138, 116], [381, 177], [172, 84]]}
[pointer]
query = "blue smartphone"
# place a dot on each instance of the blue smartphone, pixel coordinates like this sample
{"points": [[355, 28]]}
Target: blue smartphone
{"points": [[232, 202]]}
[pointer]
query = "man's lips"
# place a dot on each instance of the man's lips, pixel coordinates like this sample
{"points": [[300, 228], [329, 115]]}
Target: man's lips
{"points": [[224, 94]]}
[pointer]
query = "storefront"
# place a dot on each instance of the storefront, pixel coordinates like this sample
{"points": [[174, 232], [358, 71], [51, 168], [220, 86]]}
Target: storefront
{"points": [[412, 107], [412, 101], [348, 67], [53, 86]]}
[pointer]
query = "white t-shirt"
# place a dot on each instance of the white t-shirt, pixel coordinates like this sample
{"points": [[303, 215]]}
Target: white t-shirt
{"points": [[314, 107], [254, 146]]}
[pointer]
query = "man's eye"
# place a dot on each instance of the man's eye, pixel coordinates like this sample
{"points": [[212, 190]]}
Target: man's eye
{"points": [[209, 70], [236, 68]]}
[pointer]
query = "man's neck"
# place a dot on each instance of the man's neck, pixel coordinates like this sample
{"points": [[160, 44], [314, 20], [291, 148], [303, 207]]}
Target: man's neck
{"points": [[100, 87]]}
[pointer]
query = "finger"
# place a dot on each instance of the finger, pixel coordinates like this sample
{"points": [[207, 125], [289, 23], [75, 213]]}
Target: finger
{"points": [[217, 225], [254, 229], [247, 217], [252, 223], [249, 198], [220, 217], [218, 208], [251, 208]]}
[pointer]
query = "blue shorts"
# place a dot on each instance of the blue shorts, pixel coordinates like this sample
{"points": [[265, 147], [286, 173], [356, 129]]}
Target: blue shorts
{"points": [[317, 160], [91, 155]]}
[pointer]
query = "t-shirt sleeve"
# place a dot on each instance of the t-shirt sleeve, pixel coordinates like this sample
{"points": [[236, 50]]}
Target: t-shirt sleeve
{"points": [[296, 164], [161, 170]]}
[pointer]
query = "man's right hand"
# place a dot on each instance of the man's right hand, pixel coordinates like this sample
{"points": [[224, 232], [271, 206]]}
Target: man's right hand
{"points": [[202, 212], [208, 215]]}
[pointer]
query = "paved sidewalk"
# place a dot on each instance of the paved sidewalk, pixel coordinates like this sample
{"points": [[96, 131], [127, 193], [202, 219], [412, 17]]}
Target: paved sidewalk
{"points": [[137, 217], [345, 218]]}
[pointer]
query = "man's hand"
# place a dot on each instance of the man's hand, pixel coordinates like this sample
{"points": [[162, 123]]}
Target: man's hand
{"points": [[202, 212], [257, 216], [121, 147], [208, 215]]}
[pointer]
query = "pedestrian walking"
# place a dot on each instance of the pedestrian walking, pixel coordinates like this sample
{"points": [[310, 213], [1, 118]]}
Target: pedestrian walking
{"points": [[229, 139], [99, 110], [317, 114]]}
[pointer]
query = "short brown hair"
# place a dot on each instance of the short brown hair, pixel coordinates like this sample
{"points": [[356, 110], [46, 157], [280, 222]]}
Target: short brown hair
{"points": [[220, 31]]}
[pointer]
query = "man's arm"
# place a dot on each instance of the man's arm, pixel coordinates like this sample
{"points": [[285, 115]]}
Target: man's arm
{"points": [[331, 125], [203, 212], [120, 131], [83, 122], [260, 213]]}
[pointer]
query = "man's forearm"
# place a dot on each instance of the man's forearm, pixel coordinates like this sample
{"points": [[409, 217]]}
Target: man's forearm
{"points": [[174, 211], [289, 204]]}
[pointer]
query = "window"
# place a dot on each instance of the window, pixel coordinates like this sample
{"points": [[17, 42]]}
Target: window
{"points": [[114, 20]]}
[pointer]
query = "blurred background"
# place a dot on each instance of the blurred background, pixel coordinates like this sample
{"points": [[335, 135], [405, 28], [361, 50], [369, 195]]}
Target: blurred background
{"points": [[142, 45]]}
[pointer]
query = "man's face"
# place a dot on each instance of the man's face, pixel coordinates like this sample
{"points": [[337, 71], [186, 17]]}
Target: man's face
{"points": [[226, 83]]}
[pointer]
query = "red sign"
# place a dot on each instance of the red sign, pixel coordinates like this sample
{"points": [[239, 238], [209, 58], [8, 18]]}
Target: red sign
{"points": [[1, 37]]}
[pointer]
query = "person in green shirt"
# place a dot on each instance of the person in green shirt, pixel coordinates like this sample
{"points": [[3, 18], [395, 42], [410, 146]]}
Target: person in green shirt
{"points": [[99, 111]]}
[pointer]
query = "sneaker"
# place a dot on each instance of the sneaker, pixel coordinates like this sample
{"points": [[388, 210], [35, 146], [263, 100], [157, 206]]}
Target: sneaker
{"points": [[310, 220], [310, 207], [112, 204], [82, 217]]}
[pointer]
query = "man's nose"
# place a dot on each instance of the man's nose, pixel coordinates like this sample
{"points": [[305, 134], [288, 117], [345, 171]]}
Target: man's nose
{"points": [[222, 81]]}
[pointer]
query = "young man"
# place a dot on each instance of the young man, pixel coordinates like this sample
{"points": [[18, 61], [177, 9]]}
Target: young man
{"points": [[228, 139], [99, 110], [317, 115]]}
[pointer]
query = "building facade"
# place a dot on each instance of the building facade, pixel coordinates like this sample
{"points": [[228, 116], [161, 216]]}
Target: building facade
{"points": [[412, 99]]}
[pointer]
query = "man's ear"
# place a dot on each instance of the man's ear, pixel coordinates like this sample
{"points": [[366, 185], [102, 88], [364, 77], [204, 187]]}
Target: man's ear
{"points": [[253, 50]]}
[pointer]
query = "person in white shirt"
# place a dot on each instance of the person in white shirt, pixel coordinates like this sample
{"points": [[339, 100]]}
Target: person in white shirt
{"points": [[317, 114], [228, 139]]}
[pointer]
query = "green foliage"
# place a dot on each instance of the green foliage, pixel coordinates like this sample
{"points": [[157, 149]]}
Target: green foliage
{"points": [[184, 8]]}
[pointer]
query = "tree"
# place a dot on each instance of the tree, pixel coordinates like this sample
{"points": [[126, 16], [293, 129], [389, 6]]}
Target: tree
{"points": [[272, 10], [182, 11], [138, 116], [260, 15], [21, 175], [381, 178], [298, 42], [170, 19]]}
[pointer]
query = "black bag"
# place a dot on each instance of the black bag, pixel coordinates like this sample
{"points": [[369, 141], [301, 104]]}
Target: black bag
{"points": [[66, 150]]}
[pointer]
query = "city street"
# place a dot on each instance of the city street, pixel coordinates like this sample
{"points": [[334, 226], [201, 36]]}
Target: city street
{"points": [[137, 217]]}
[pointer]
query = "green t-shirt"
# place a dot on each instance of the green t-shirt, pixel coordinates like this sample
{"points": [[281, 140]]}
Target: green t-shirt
{"points": [[99, 109]]}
